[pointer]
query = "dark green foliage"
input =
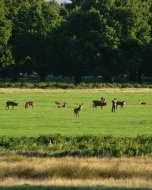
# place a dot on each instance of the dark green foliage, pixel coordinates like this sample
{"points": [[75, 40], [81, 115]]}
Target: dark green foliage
{"points": [[58, 145], [62, 85], [5, 33], [87, 37]]}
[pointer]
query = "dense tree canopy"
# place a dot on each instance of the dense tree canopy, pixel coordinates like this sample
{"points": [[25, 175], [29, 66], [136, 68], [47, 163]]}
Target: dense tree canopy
{"points": [[86, 37], [5, 33], [104, 36]]}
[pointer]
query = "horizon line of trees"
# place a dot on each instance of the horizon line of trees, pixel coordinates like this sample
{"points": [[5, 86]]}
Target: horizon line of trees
{"points": [[86, 37]]}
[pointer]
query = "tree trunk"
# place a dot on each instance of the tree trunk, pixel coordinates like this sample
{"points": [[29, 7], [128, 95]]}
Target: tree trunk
{"points": [[42, 77], [109, 79], [132, 76], [139, 79], [77, 79], [15, 78], [14, 73]]}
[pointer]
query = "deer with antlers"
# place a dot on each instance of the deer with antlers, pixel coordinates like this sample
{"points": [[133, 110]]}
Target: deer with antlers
{"points": [[78, 110], [100, 103]]}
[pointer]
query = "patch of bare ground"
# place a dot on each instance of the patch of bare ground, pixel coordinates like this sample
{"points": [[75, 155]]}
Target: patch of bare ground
{"points": [[116, 172]]}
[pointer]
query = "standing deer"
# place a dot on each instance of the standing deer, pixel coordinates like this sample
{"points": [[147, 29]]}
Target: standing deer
{"points": [[98, 103], [30, 103], [9, 103], [120, 103], [78, 110]]}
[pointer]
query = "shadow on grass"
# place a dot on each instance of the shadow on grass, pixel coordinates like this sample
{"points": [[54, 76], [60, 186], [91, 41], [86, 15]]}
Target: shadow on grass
{"points": [[42, 187], [78, 153]]}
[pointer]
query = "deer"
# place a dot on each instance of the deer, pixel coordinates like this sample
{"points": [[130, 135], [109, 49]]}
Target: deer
{"points": [[98, 103], [120, 103], [11, 103], [142, 103], [30, 103], [78, 110], [62, 105], [103, 100]]}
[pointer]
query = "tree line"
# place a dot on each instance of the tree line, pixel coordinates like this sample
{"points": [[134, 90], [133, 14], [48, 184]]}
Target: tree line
{"points": [[85, 37]]}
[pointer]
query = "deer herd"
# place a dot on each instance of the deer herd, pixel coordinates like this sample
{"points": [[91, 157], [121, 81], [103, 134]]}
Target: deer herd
{"points": [[101, 103], [96, 103]]}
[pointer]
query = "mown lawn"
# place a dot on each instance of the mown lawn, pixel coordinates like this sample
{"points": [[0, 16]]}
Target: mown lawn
{"points": [[46, 118]]}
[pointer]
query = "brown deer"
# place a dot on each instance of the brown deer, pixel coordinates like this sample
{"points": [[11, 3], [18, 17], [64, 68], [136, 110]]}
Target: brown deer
{"points": [[120, 103], [103, 100], [62, 105], [98, 103], [78, 110], [30, 103], [9, 103]]}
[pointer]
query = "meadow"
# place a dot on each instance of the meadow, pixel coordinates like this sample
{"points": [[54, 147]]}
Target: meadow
{"points": [[134, 120], [48, 148]]}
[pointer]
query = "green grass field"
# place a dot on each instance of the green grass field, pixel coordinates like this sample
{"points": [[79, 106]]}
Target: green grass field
{"points": [[46, 118]]}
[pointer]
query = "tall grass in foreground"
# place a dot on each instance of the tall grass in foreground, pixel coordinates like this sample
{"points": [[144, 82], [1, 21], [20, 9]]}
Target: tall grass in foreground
{"points": [[91, 170]]}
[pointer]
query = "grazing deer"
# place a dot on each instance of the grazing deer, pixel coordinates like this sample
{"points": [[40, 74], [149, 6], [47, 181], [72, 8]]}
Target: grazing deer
{"points": [[142, 103], [98, 103], [120, 103], [30, 103], [9, 103], [78, 110]]}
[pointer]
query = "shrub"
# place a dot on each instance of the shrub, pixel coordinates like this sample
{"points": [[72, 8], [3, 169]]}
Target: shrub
{"points": [[63, 85], [58, 145]]}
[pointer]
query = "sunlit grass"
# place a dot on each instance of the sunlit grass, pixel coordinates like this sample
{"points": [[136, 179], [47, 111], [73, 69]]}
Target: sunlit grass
{"points": [[126, 172], [46, 118]]}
